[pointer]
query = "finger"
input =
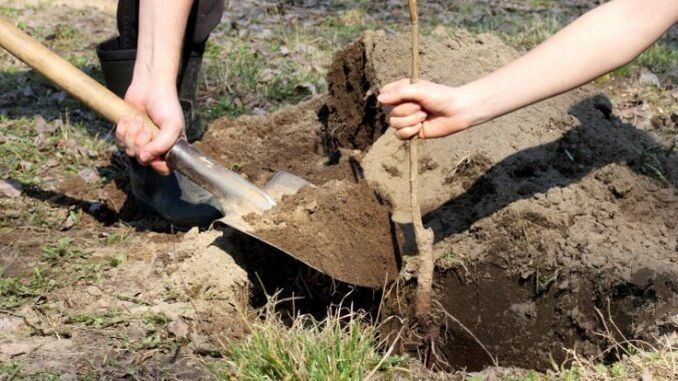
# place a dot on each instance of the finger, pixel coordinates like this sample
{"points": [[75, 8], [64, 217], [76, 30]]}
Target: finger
{"points": [[143, 138], [407, 121], [161, 167], [408, 132], [131, 136], [121, 129], [394, 85], [405, 109], [162, 143]]}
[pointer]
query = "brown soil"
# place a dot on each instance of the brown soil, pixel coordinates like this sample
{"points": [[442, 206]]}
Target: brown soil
{"points": [[327, 228], [288, 140], [542, 218]]}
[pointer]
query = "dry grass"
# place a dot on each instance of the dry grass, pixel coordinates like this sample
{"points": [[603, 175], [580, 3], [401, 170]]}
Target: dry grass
{"points": [[638, 360]]}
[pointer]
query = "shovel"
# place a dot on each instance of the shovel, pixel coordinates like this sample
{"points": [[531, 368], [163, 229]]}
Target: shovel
{"points": [[237, 196]]}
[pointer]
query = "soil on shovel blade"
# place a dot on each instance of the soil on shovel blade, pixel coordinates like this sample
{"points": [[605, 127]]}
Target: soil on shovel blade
{"points": [[326, 226], [554, 226]]}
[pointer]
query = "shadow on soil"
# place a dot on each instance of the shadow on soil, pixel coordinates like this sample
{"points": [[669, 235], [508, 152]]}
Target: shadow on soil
{"points": [[27, 94], [521, 323], [529, 172]]}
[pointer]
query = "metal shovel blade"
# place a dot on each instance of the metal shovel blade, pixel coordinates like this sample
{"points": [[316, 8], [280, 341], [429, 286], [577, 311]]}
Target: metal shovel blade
{"points": [[351, 262], [239, 198]]}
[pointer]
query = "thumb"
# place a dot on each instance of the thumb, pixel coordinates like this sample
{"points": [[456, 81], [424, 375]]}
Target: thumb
{"points": [[442, 126], [434, 128], [162, 143]]}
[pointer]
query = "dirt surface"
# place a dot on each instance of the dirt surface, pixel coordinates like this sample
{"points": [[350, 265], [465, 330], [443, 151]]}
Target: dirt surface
{"points": [[134, 309], [545, 220], [542, 218], [288, 140]]}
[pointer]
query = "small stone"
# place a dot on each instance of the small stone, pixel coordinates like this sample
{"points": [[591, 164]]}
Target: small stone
{"points": [[648, 78], [10, 189], [89, 175], [72, 219], [440, 31], [96, 207], [179, 329], [659, 121], [646, 376], [25, 165], [41, 125], [311, 207], [192, 234]]}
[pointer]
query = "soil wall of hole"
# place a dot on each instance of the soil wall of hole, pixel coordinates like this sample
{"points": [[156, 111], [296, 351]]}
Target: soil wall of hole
{"points": [[548, 222]]}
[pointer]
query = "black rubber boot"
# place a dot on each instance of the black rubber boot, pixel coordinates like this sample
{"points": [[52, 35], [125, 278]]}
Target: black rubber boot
{"points": [[176, 198]]}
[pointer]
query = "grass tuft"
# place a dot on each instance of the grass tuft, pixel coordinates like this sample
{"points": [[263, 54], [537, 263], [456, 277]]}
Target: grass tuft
{"points": [[343, 346]]}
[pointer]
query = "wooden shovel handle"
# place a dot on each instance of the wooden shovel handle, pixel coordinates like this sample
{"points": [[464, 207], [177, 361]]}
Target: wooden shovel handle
{"points": [[67, 76]]}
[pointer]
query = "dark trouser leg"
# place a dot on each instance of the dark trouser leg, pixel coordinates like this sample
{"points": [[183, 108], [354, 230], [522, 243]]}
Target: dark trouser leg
{"points": [[117, 55], [176, 198]]}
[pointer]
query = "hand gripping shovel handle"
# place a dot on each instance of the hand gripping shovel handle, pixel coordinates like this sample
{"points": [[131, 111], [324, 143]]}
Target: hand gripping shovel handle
{"points": [[184, 158]]}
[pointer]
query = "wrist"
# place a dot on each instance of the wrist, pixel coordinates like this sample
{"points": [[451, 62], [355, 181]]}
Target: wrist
{"points": [[476, 105], [144, 83], [163, 75]]}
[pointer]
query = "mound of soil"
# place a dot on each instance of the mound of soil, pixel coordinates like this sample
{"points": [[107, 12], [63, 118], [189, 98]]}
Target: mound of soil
{"points": [[288, 140], [548, 221], [553, 224]]}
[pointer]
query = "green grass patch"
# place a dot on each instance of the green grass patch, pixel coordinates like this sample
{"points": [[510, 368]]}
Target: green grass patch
{"points": [[60, 251], [29, 148], [659, 58], [10, 13], [14, 291], [10, 371], [344, 346], [104, 320], [155, 318], [339, 32], [651, 162], [251, 78]]}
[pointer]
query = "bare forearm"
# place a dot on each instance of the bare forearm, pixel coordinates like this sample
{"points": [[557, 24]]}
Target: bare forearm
{"points": [[162, 27], [598, 42]]}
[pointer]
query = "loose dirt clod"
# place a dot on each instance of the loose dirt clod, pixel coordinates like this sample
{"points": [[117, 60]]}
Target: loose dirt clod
{"points": [[326, 226], [340, 227]]}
